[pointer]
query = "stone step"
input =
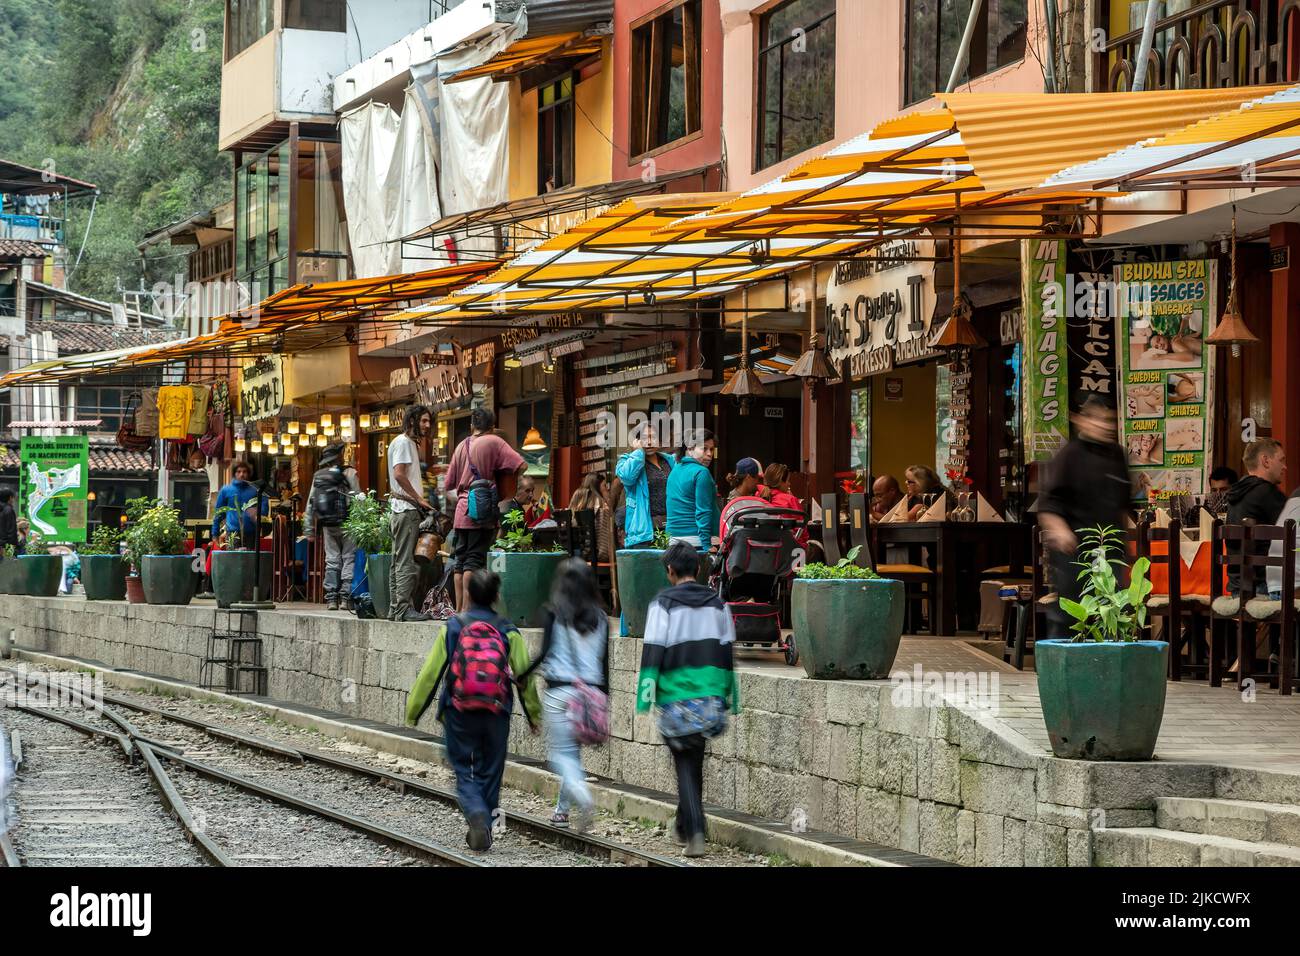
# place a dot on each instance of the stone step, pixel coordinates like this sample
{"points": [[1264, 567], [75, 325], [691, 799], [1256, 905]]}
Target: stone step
{"points": [[1250, 820], [1153, 846]]}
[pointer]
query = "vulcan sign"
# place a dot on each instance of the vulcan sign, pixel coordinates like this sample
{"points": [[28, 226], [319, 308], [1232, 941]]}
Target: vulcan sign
{"points": [[878, 309]]}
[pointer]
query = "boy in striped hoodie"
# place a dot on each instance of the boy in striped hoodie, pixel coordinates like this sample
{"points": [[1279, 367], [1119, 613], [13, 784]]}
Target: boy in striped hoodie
{"points": [[686, 670]]}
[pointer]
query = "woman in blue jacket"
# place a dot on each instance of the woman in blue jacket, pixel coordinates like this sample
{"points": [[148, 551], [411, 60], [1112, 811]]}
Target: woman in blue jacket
{"points": [[693, 495], [644, 473]]}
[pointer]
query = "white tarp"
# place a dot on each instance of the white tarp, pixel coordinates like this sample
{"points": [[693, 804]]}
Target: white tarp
{"points": [[369, 135], [411, 189]]}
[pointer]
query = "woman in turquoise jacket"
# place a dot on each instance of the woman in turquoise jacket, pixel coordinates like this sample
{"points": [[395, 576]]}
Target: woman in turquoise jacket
{"points": [[639, 526]]}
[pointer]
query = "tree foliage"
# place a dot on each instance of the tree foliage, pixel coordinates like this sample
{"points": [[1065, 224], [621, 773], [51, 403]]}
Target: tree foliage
{"points": [[124, 94]]}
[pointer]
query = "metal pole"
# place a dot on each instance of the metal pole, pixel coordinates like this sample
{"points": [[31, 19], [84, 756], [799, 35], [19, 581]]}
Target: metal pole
{"points": [[963, 51], [1050, 21], [1144, 49]]}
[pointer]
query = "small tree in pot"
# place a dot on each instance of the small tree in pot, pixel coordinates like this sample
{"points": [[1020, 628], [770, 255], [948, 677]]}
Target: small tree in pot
{"points": [[1103, 692], [154, 545], [103, 569], [235, 566], [526, 570], [369, 526]]}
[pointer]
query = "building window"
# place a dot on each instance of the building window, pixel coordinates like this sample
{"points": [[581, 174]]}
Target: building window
{"points": [[796, 78], [247, 21], [666, 78], [106, 401], [555, 135], [934, 32], [327, 15]]}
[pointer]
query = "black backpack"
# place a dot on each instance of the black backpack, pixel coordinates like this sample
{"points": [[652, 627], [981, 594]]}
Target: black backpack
{"points": [[332, 496], [364, 608]]}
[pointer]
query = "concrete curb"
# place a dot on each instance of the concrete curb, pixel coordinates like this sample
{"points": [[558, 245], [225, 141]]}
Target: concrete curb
{"points": [[742, 831]]}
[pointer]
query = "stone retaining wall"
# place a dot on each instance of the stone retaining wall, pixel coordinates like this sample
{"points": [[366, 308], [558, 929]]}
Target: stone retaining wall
{"points": [[843, 756]]}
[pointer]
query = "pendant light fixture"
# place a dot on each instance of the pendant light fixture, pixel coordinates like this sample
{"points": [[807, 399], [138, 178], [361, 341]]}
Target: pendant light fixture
{"points": [[745, 385], [957, 331], [257, 447], [268, 438], [533, 441], [365, 423], [327, 423], [1231, 329], [813, 364], [321, 441], [384, 420], [294, 428], [304, 440], [311, 428], [241, 446]]}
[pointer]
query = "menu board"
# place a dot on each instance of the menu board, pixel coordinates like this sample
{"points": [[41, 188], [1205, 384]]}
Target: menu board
{"points": [[1166, 373]]}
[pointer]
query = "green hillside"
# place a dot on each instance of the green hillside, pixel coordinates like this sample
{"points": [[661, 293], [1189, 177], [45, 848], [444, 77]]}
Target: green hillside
{"points": [[124, 94]]}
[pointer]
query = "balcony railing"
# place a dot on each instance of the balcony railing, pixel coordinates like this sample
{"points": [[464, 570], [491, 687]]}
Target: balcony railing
{"points": [[33, 228], [1214, 43]]}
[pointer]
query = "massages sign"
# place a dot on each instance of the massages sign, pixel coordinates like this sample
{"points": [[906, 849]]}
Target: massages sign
{"points": [[1166, 373], [53, 486], [1047, 405]]}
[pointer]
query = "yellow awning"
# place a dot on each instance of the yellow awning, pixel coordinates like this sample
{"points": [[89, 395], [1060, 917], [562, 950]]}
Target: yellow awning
{"points": [[530, 52]]}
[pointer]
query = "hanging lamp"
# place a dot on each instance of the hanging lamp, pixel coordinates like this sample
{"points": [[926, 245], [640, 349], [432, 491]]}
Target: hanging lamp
{"points": [[957, 331], [1231, 330], [745, 385], [533, 441], [813, 364]]}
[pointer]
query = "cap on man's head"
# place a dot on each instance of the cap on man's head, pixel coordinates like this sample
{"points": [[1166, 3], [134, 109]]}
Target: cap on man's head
{"points": [[748, 466]]}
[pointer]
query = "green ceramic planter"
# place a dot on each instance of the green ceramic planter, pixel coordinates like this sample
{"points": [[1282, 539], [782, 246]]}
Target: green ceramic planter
{"points": [[11, 576], [232, 576], [847, 629], [41, 574], [104, 577], [1102, 701], [168, 578], [379, 568], [525, 583], [641, 576]]}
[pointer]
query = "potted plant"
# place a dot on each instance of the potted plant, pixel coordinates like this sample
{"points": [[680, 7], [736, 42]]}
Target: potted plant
{"points": [[1103, 691], [847, 620], [526, 571], [11, 581], [234, 568], [103, 569], [368, 525], [641, 576], [154, 544], [135, 510], [40, 573]]}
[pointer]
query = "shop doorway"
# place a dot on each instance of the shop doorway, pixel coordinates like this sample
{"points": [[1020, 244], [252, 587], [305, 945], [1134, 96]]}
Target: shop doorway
{"points": [[770, 433]]}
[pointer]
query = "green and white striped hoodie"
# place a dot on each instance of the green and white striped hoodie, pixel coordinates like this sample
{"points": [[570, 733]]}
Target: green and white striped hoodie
{"points": [[689, 636]]}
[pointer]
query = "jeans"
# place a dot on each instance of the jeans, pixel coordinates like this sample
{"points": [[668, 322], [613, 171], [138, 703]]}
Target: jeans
{"points": [[563, 752], [688, 759], [401, 583], [476, 748], [340, 556]]}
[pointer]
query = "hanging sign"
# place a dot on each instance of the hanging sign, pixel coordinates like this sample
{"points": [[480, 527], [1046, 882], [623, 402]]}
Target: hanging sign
{"points": [[1090, 336], [879, 309], [53, 485], [1046, 410], [1166, 373], [444, 387], [261, 389]]}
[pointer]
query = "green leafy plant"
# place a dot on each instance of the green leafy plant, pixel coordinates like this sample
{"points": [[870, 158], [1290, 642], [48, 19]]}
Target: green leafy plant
{"points": [[661, 540], [158, 531], [845, 570], [105, 540], [367, 524], [1106, 611], [10, 552], [516, 538], [236, 540]]}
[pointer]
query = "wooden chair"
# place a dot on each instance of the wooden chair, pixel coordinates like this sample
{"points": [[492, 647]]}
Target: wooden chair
{"points": [[831, 528], [563, 519], [586, 545], [1167, 608], [1227, 610], [918, 580], [1265, 612]]}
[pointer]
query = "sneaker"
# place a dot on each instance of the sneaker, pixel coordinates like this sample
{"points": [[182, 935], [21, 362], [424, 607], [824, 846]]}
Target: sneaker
{"points": [[695, 848], [332, 606], [559, 819]]}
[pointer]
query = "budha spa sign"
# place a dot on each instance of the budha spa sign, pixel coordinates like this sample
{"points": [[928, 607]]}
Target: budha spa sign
{"points": [[879, 309]]}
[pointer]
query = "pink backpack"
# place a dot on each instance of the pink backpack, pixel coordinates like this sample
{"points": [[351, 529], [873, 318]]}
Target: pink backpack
{"points": [[480, 669]]}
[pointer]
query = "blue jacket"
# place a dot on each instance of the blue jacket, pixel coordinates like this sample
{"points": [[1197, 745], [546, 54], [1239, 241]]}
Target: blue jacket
{"points": [[638, 526], [239, 495], [692, 502]]}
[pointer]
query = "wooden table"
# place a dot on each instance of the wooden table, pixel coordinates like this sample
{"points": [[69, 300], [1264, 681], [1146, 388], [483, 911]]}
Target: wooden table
{"points": [[998, 542]]}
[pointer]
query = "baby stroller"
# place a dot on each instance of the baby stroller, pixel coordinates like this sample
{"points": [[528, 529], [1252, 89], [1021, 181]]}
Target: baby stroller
{"points": [[755, 566]]}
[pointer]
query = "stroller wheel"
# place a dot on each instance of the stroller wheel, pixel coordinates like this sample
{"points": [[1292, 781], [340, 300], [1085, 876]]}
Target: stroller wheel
{"points": [[791, 652]]}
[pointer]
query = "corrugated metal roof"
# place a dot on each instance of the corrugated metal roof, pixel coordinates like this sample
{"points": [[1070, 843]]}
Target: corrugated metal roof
{"points": [[557, 16]]}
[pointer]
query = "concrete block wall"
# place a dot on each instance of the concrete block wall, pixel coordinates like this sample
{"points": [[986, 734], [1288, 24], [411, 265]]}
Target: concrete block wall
{"points": [[842, 756]]}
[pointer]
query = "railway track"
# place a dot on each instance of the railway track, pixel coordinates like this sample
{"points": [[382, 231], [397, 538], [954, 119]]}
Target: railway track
{"points": [[366, 798]]}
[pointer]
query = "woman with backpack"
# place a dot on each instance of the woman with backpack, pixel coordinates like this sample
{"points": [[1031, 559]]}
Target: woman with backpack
{"points": [[475, 660], [575, 704]]}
